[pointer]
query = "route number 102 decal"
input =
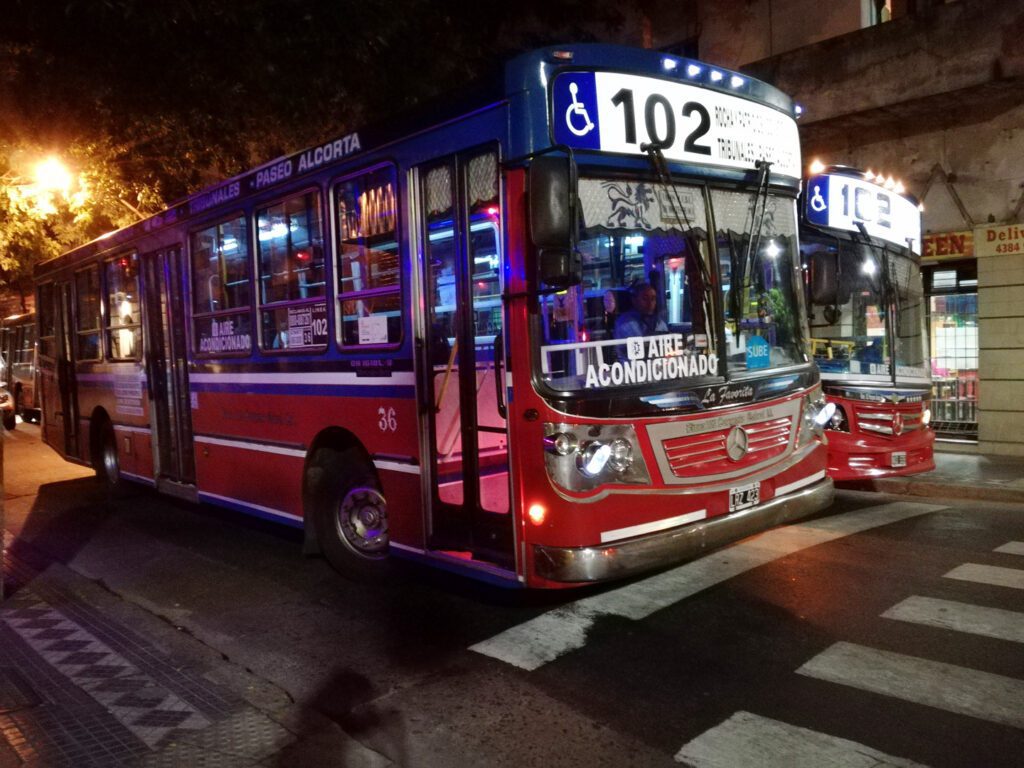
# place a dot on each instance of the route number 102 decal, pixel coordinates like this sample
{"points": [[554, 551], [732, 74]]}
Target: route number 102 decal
{"points": [[611, 112], [841, 201]]}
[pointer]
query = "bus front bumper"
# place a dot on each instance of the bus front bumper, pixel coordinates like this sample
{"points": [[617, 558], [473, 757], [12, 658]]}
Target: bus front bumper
{"points": [[625, 558]]}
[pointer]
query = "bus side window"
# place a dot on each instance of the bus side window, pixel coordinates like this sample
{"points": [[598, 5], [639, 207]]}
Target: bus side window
{"points": [[87, 313], [45, 317], [368, 270], [221, 269], [292, 290], [124, 332]]}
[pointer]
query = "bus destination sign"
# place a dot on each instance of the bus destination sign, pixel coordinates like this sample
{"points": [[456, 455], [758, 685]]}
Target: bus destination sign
{"points": [[613, 112], [840, 201]]}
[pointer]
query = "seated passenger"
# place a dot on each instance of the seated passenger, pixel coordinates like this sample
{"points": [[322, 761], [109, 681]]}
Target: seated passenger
{"points": [[643, 318]]}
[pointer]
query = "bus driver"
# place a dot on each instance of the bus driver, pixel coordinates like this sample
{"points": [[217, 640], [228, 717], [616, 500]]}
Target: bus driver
{"points": [[642, 319]]}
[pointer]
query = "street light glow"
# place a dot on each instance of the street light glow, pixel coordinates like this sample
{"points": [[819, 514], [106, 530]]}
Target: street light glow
{"points": [[53, 176]]}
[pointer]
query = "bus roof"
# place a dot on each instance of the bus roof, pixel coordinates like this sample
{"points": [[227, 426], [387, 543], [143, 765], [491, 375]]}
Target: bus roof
{"points": [[528, 73]]}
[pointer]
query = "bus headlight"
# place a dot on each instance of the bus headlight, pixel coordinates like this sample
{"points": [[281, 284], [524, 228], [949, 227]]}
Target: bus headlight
{"points": [[621, 456], [592, 460], [816, 414], [562, 443], [605, 454], [838, 422]]}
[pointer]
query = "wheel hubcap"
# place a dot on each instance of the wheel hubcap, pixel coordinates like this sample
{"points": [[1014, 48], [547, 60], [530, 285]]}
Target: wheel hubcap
{"points": [[363, 522]]}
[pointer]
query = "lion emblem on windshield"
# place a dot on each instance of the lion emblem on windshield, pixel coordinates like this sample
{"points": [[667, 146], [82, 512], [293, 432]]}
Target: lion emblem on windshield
{"points": [[630, 205]]}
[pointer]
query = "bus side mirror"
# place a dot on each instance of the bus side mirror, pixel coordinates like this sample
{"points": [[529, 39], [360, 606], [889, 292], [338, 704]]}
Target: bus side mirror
{"points": [[825, 278], [553, 220]]}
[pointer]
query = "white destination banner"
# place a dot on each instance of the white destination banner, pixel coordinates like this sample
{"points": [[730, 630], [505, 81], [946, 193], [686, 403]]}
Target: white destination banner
{"points": [[612, 112]]}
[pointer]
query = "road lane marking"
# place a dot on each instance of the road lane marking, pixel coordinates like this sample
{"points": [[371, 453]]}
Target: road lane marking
{"points": [[1012, 548], [545, 638], [954, 689], [749, 740], [960, 617], [988, 574]]}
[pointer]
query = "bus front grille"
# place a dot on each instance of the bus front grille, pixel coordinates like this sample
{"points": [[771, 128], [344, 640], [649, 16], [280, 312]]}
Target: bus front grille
{"points": [[707, 454]]}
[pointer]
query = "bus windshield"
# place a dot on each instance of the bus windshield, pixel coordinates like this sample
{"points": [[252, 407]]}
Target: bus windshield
{"points": [[912, 360], [645, 313], [853, 286]]}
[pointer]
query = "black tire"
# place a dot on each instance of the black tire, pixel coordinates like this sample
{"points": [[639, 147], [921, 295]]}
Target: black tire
{"points": [[105, 460], [350, 514]]}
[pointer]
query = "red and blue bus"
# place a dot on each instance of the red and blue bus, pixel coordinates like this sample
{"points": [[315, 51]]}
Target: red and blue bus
{"points": [[860, 237], [553, 337]]}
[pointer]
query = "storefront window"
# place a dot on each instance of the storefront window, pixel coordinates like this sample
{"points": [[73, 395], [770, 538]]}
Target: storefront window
{"points": [[953, 333]]}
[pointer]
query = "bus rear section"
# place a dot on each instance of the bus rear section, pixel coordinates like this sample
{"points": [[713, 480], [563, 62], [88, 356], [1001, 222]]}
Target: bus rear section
{"points": [[860, 239], [19, 377]]}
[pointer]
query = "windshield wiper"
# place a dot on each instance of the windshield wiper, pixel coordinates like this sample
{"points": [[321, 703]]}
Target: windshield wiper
{"points": [[736, 296], [660, 166]]}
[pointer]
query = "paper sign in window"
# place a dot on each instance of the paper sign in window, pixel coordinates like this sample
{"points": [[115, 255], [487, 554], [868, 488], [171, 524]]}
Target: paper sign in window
{"points": [[373, 329]]}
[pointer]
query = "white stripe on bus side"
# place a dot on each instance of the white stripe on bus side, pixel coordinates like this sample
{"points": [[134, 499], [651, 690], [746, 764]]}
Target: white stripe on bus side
{"points": [[657, 525], [401, 378], [299, 453]]}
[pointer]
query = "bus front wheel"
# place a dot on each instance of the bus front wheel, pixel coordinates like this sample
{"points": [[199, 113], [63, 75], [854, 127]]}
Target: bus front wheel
{"points": [[351, 514]]}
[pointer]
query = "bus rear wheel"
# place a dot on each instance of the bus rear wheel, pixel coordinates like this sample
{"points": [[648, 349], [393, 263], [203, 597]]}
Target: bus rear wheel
{"points": [[105, 460], [351, 514]]}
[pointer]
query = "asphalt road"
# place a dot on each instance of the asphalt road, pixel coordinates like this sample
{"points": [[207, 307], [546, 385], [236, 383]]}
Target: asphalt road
{"points": [[884, 632]]}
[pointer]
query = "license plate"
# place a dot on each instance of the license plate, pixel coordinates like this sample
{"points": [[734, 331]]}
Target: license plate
{"points": [[744, 496], [899, 459]]}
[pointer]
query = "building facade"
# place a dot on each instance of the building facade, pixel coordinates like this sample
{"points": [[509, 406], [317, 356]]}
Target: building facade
{"points": [[930, 92]]}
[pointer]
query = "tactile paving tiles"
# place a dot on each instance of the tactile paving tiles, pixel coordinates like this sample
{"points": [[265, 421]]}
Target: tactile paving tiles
{"points": [[107, 696], [147, 709]]}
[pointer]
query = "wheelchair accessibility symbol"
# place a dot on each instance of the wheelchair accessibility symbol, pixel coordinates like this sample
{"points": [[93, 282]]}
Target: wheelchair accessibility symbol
{"points": [[818, 203], [576, 118]]}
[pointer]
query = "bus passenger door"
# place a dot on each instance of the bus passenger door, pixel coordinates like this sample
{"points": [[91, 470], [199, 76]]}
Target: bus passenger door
{"points": [[66, 419], [462, 362], [167, 368]]}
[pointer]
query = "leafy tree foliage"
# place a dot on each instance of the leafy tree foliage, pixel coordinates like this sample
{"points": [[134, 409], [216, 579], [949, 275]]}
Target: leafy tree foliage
{"points": [[38, 223], [153, 101]]}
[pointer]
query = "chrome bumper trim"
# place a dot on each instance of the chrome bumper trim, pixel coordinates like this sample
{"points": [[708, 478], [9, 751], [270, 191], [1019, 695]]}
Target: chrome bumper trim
{"points": [[620, 559]]}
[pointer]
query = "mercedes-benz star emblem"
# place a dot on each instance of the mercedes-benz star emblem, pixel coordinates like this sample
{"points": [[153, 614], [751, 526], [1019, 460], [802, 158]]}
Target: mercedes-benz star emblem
{"points": [[736, 443], [897, 423]]}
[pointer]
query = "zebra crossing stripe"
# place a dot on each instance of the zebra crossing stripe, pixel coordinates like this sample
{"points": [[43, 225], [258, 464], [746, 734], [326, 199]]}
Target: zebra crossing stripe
{"points": [[1011, 548], [749, 740], [960, 617], [988, 574], [543, 639], [954, 689]]}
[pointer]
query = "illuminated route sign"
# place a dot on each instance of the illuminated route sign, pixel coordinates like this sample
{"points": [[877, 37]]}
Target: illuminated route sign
{"points": [[612, 112], [841, 202]]}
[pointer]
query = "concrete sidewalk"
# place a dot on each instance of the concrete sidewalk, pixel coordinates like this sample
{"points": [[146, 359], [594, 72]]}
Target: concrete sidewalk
{"points": [[962, 476]]}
